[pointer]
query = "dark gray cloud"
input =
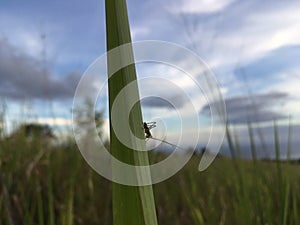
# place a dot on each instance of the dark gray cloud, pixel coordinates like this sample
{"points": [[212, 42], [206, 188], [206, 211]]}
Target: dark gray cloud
{"points": [[22, 76], [155, 102], [255, 108], [176, 101], [268, 134]]}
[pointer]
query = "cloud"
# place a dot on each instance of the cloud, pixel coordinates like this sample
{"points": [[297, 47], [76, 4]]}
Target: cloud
{"points": [[237, 37], [202, 6], [244, 32], [23, 77], [52, 121], [260, 41], [254, 109], [158, 102], [70, 42], [283, 22], [271, 72], [276, 61], [139, 32]]}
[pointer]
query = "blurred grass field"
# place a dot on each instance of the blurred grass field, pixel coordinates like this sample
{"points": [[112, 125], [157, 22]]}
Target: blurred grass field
{"points": [[45, 184]]}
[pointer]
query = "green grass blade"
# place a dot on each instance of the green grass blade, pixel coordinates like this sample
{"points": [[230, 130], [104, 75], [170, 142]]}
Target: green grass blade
{"points": [[131, 205], [51, 215], [252, 143], [40, 210], [230, 142], [277, 155], [287, 176], [283, 196], [289, 147], [237, 145]]}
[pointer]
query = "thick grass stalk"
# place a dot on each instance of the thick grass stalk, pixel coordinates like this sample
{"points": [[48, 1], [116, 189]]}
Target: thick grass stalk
{"points": [[131, 205]]}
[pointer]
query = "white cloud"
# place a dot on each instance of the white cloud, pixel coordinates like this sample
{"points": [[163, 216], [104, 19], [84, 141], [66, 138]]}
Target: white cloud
{"points": [[28, 42], [289, 83], [274, 28], [245, 33], [138, 31], [202, 6], [59, 121], [22, 34], [287, 36]]}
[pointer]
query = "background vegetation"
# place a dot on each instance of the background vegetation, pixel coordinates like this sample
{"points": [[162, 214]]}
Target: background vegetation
{"points": [[42, 183]]}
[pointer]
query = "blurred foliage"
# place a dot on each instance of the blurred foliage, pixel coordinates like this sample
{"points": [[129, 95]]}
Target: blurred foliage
{"points": [[44, 184]]}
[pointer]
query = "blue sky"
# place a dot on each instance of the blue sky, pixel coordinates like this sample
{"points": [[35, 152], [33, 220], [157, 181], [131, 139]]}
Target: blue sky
{"points": [[253, 48]]}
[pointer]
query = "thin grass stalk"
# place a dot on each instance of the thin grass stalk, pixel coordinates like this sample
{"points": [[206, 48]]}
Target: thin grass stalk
{"points": [[7, 202], [256, 177], [40, 209], [277, 155], [289, 146], [287, 176], [192, 202], [70, 210], [252, 143], [241, 186], [131, 205], [241, 172], [282, 190], [237, 145], [295, 199], [51, 218], [286, 202], [236, 165], [230, 142]]}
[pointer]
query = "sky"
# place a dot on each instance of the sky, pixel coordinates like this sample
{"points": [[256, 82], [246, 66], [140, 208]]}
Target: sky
{"points": [[252, 47]]}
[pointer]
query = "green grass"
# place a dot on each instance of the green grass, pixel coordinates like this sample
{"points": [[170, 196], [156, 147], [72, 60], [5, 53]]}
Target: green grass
{"points": [[132, 205], [62, 189]]}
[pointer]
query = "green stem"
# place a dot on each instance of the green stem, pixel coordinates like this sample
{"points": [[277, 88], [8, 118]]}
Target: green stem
{"points": [[131, 205]]}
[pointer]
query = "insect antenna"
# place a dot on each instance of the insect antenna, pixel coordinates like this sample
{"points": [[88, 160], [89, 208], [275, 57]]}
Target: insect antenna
{"points": [[157, 139]]}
